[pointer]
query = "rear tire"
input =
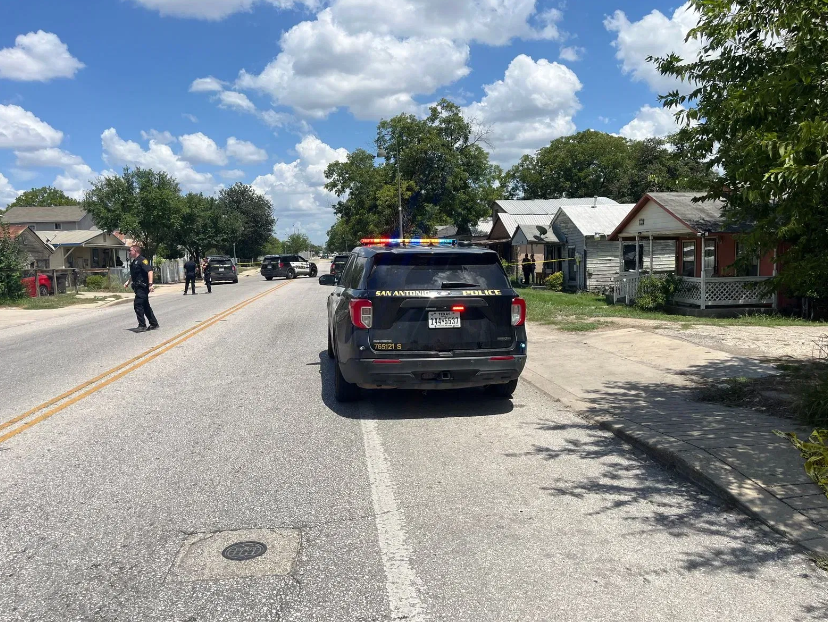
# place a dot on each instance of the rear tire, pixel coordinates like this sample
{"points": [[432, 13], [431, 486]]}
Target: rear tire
{"points": [[44, 291], [504, 390], [330, 346], [313, 270], [269, 278], [344, 391], [236, 280]]}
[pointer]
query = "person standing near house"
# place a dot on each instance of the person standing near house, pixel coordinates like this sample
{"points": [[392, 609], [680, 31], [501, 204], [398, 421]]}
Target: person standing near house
{"points": [[140, 278], [525, 264], [207, 271], [532, 268], [190, 268]]}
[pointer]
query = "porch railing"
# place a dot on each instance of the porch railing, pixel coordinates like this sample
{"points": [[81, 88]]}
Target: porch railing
{"points": [[702, 292]]}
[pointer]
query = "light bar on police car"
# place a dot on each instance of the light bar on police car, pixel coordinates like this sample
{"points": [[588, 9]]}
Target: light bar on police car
{"points": [[407, 242]]}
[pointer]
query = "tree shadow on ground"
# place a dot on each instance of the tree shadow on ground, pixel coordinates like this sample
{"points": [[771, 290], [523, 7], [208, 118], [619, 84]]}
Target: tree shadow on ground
{"points": [[403, 404], [652, 498]]}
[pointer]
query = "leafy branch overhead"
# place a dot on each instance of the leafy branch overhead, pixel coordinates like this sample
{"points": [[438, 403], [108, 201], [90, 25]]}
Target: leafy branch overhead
{"points": [[756, 103]]}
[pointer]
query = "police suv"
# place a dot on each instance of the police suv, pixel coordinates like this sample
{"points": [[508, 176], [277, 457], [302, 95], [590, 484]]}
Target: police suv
{"points": [[287, 266], [424, 314]]}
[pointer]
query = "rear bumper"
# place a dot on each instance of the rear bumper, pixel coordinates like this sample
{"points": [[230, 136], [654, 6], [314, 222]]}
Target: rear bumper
{"points": [[433, 373], [223, 276]]}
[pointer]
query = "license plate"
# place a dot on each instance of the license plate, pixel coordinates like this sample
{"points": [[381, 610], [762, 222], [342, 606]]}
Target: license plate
{"points": [[443, 319], [221, 269]]}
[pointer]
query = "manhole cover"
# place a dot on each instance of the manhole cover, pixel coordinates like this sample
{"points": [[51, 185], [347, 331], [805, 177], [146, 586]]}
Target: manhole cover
{"points": [[241, 551]]}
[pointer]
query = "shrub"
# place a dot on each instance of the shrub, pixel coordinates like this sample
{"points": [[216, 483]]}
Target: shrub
{"points": [[654, 293], [815, 452], [814, 401], [554, 282], [96, 281], [12, 261]]}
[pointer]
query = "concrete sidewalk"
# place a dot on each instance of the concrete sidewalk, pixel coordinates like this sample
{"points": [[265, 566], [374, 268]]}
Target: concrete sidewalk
{"points": [[636, 384]]}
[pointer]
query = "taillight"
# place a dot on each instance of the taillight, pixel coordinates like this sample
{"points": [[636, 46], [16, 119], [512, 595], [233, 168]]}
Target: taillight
{"points": [[362, 313], [518, 312], [333, 270], [281, 265], [458, 308]]}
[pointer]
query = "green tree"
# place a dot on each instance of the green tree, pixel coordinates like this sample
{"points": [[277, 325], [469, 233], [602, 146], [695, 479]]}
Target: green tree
{"points": [[43, 197], [274, 246], [12, 262], [445, 176], [757, 106], [205, 224], [297, 243], [141, 203], [256, 213], [340, 237], [593, 163]]}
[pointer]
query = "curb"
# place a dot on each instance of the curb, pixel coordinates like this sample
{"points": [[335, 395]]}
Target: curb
{"points": [[702, 468]]}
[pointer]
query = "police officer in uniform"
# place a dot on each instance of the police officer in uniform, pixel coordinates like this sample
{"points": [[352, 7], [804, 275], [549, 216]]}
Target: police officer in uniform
{"points": [[140, 277]]}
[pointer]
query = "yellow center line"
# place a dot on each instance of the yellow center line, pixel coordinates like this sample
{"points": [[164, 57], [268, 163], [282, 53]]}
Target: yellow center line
{"points": [[120, 371]]}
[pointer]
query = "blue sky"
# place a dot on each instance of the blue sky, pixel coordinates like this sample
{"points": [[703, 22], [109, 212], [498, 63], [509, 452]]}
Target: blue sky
{"points": [[268, 92]]}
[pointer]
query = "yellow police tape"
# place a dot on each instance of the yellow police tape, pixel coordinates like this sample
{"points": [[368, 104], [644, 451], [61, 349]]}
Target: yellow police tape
{"points": [[520, 263]]}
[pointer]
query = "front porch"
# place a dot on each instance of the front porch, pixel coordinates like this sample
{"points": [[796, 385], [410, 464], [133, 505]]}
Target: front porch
{"points": [[702, 292]]}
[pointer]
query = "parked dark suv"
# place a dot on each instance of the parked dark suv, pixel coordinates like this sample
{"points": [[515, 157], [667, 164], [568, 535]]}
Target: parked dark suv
{"points": [[425, 318], [223, 269], [287, 266], [338, 264]]}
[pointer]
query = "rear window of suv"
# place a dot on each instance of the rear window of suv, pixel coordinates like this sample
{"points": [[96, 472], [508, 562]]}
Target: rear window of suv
{"points": [[221, 262], [437, 271]]}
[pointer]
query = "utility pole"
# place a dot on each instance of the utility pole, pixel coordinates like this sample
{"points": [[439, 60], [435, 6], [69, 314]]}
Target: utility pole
{"points": [[399, 187]]}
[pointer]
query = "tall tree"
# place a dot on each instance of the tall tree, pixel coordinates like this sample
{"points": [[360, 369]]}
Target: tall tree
{"points": [[141, 203], [12, 262], [444, 176], [205, 224], [757, 106], [593, 163], [256, 213], [43, 197], [340, 237], [297, 243]]}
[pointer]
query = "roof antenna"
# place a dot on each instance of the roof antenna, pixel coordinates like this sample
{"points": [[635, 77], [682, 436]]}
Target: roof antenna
{"points": [[595, 202]]}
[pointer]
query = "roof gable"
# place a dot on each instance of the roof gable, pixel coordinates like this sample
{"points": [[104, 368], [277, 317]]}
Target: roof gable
{"points": [[598, 220], [694, 216], [58, 213]]}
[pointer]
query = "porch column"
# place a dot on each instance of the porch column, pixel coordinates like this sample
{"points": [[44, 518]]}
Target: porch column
{"points": [[638, 257], [703, 288], [651, 254], [620, 256]]}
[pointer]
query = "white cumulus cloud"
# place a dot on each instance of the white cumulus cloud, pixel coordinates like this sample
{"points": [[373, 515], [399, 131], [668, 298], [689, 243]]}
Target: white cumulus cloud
{"points": [[165, 137], [236, 101], [38, 56], [531, 106], [20, 129], [216, 9], [206, 85], [7, 192], [232, 174], [120, 152], [76, 176], [651, 122], [200, 149], [572, 53], [245, 152], [653, 35], [297, 188]]}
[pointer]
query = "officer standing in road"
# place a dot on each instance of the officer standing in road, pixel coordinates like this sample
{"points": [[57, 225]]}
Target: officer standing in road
{"points": [[140, 277], [190, 268], [207, 271]]}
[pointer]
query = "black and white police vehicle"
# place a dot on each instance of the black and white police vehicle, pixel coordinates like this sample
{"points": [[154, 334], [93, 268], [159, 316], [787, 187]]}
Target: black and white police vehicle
{"points": [[424, 314], [287, 266]]}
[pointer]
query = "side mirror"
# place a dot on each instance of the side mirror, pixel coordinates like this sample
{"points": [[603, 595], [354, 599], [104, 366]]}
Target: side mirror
{"points": [[328, 279]]}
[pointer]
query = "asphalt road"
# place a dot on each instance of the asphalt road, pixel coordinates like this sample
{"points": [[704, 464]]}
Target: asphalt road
{"points": [[450, 506]]}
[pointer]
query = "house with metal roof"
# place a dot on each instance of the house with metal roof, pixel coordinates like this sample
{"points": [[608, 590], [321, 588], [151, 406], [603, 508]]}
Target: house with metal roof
{"points": [[706, 249], [52, 218], [37, 251], [85, 249]]}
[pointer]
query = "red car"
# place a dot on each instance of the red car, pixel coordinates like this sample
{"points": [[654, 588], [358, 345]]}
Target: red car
{"points": [[44, 282]]}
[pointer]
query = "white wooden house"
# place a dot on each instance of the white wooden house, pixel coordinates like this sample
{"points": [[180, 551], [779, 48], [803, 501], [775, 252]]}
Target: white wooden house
{"points": [[588, 260]]}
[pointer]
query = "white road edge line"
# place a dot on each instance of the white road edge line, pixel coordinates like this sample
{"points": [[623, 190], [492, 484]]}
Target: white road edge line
{"points": [[401, 582]]}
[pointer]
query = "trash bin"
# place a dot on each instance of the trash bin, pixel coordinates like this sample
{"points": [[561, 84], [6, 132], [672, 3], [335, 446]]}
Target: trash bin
{"points": [[62, 280]]}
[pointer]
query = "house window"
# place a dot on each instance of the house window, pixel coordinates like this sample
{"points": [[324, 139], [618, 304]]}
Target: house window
{"points": [[688, 258], [630, 258], [57, 226], [749, 269], [709, 263]]}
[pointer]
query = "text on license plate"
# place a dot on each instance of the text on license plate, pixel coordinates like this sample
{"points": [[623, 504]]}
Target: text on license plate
{"points": [[443, 319]]}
